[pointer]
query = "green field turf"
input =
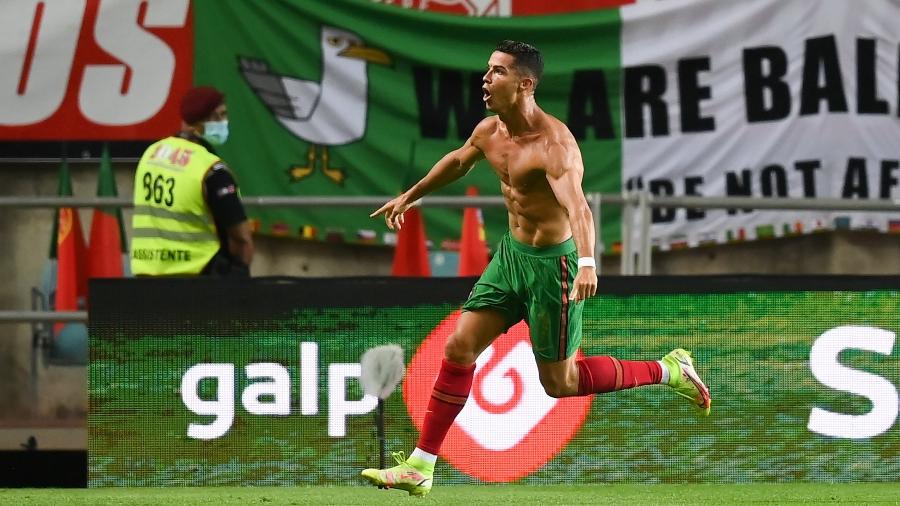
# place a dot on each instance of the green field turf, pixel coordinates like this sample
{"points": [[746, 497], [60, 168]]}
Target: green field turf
{"points": [[794, 493]]}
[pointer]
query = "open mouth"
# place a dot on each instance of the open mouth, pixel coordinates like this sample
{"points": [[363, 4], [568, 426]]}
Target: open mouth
{"points": [[486, 92]]}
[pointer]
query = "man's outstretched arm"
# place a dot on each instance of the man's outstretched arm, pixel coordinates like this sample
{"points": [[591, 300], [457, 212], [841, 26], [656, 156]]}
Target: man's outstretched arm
{"points": [[564, 173], [451, 167]]}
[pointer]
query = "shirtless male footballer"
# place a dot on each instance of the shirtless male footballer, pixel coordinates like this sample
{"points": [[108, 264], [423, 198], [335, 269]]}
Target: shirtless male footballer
{"points": [[542, 271]]}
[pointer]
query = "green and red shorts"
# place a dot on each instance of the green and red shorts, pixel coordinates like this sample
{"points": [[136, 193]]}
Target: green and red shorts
{"points": [[533, 283]]}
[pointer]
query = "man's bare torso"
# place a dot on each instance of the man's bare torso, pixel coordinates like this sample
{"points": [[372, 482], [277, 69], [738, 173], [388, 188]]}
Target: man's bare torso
{"points": [[535, 215]]}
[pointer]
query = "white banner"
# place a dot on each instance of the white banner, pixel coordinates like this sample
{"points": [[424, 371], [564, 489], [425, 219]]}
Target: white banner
{"points": [[761, 98]]}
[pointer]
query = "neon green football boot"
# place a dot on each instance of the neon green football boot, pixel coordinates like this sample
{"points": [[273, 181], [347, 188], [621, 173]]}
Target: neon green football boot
{"points": [[411, 474], [683, 378]]}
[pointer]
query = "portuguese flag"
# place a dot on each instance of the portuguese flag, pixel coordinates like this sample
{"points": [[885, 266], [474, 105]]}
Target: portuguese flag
{"points": [[351, 98], [107, 241], [71, 273], [376, 117]]}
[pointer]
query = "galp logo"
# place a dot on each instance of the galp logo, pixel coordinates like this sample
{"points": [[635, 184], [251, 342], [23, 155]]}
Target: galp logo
{"points": [[509, 427]]}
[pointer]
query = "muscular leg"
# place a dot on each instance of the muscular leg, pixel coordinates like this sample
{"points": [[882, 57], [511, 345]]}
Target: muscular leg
{"points": [[560, 379], [599, 374], [474, 332]]}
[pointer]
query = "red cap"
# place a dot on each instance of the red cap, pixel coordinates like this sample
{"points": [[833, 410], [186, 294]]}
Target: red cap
{"points": [[198, 103]]}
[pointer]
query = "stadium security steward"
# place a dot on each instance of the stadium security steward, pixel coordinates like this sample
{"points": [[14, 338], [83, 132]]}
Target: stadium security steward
{"points": [[188, 217]]}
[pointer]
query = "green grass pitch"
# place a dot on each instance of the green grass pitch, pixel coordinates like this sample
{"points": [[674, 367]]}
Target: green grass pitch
{"points": [[793, 493]]}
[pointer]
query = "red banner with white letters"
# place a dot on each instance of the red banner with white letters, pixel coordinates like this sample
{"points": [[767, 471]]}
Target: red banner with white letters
{"points": [[93, 69]]}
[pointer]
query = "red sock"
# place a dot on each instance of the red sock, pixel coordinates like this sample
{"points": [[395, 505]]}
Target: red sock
{"points": [[607, 374], [451, 389]]}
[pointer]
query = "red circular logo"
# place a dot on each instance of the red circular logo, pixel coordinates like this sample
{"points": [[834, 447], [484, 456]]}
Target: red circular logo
{"points": [[509, 427]]}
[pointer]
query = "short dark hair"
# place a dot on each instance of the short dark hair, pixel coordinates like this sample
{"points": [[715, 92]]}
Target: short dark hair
{"points": [[526, 55]]}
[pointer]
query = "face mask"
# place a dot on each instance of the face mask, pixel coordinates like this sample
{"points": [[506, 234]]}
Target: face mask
{"points": [[216, 132]]}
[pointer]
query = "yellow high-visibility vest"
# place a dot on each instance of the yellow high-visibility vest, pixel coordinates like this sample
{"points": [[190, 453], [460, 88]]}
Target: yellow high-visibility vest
{"points": [[173, 231]]}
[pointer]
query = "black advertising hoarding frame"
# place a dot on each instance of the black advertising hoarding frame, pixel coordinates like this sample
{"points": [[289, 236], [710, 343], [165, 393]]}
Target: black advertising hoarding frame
{"points": [[386, 291]]}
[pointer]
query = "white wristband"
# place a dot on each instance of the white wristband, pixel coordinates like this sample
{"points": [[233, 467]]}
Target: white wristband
{"points": [[587, 262]]}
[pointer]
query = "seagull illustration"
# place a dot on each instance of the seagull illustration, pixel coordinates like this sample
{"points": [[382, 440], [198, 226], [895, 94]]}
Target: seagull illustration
{"points": [[331, 112]]}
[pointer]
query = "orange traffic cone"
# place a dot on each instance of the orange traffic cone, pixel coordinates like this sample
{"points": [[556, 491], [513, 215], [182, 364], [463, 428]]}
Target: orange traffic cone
{"points": [[473, 250], [411, 254]]}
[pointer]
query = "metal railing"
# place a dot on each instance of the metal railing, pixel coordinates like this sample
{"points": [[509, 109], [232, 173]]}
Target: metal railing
{"points": [[636, 254], [637, 258]]}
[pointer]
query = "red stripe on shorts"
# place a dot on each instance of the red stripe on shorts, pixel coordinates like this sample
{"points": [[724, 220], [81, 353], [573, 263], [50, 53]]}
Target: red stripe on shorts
{"points": [[564, 313]]}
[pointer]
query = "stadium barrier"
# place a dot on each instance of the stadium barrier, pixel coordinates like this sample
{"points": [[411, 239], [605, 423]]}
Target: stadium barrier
{"points": [[637, 206], [255, 382]]}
